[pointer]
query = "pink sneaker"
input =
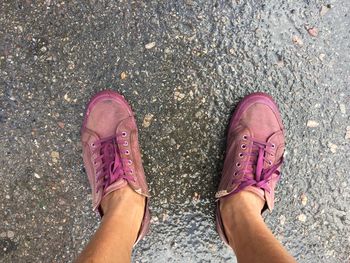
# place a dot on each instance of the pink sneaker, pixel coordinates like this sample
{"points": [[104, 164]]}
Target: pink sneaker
{"points": [[111, 151], [254, 153]]}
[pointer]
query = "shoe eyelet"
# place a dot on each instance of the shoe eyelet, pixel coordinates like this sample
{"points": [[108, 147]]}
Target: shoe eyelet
{"points": [[243, 146], [273, 145], [245, 137], [92, 145], [129, 162], [240, 155], [124, 134], [238, 164], [125, 143], [270, 162], [127, 152], [131, 171], [235, 174]]}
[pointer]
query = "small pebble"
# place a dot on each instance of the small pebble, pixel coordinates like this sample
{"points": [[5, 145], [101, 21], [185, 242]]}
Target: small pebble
{"points": [[333, 147], [178, 95], [302, 218], [198, 114], [19, 28], [165, 217], [71, 65], [147, 120], [282, 219], [342, 108], [297, 40], [36, 176], [347, 134], [3, 234], [280, 63], [60, 124], [324, 9], [123, 75], [196, 197], [154, 219], [55, 154], [10, 234], [303, 199], [150, 45], [313, 31], [66, 97], [213, 248], [312, 124], [7, 197]]}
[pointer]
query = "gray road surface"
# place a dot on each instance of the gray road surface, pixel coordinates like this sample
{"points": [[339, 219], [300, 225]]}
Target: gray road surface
{"points": [[184, 65]]}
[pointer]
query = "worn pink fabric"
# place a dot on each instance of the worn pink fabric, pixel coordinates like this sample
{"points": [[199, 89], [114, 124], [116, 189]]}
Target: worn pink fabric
{"points": [[111, 150], [254, 152]]}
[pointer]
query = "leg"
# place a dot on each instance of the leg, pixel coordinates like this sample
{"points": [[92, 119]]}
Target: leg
{"points": [[114, 240], [247, 233]]}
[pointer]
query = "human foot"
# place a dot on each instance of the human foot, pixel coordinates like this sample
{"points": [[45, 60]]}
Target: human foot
{"points": [[254, 154], [122, 198], [111, 154], [238, 208]]}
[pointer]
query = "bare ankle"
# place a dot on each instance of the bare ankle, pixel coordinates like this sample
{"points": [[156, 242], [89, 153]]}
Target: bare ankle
{"points": [[242, 202], [122, 198], [239, 208]]}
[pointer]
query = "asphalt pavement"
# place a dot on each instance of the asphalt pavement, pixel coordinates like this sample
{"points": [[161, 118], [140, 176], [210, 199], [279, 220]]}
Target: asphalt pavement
{"points": [[183, 66]]}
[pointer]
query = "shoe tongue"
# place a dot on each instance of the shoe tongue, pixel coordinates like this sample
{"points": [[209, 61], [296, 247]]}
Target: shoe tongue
{"points": [[114, 174], [259, 164], [115, 165], [111, 160]]}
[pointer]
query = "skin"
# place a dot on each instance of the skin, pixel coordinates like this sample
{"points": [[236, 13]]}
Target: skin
{"points": [[114, 240], [247, 232], [245, 229]]}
